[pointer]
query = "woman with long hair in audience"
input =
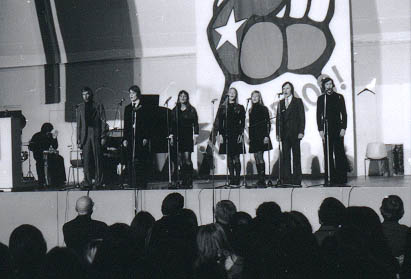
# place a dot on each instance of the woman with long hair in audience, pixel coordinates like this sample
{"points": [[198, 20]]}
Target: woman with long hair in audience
{"points": [[231, 123], [184, 125], [259, 133], [215, 253]]}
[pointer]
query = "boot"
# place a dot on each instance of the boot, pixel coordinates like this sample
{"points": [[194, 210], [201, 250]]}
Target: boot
{"points": [[183, 176], [261, 175], [232, 174], [237, 173], [189, 176]]}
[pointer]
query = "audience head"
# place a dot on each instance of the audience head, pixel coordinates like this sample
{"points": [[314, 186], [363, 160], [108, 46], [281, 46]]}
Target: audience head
{"points": [[268, 212], [241, 218], [331, 212], [62, 263], [189, 217], [224, 211], [117, 252], [212, 244], [172, 203], [300, 221], [5, 265], [240, 232], [84, 206], [392, 208], [27, 249], [142, 223]]}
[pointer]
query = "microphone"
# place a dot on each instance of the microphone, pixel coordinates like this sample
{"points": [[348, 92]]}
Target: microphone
{"points": [[168, 99], [281, 93], [248, 99], [225, 96], [214, 100], [121, 101]]}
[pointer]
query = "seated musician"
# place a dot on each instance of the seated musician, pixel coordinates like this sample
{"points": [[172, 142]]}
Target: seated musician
{"points": [[46, 140]]}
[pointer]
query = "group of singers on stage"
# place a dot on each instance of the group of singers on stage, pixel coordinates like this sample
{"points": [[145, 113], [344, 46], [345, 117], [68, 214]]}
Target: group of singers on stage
{"points": [[230, 125]]}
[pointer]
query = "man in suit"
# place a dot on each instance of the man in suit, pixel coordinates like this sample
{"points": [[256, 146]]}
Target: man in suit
{"points": [[91, 125], [81, 230], [290, 130], [336, 116], [136, 138]]}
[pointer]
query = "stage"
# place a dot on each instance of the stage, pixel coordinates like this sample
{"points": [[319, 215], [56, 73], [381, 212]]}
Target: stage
{"points": [[49, 209]]}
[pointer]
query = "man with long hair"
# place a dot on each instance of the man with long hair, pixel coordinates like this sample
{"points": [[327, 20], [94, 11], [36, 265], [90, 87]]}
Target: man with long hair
{"points": [[332, 123]]}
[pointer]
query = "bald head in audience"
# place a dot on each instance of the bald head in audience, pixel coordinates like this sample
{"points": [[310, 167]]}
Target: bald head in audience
{"points": [[84, 206]]}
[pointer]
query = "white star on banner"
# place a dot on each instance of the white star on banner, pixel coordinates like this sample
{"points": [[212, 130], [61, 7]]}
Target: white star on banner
{"points": [[229, 31]]}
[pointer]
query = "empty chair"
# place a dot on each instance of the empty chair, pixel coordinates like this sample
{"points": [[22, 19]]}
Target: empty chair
{"points": [[375, 151]]}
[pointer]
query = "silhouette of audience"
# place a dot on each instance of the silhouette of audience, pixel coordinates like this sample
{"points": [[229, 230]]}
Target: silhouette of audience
{"points": [[351, 243], [27, 249], [224, 211], [392, 210], [83, 229], [330, 216]]}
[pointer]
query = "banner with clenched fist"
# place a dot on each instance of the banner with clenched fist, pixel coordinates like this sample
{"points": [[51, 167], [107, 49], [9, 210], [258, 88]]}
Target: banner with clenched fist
{"points": [[259, 45]]}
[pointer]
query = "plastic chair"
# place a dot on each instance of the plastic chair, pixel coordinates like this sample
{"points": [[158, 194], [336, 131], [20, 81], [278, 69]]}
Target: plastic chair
{"points": [[376, 151]]}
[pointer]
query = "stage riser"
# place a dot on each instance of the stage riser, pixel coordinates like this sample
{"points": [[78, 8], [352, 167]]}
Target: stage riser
{"points": [[50, 210]]}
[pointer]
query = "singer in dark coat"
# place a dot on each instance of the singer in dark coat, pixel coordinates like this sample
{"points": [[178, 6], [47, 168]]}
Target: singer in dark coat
{"points": [[336, 114], [91, 128], [290, 126], [259, 133], [184, 125], [137, 130], [231, 123]]}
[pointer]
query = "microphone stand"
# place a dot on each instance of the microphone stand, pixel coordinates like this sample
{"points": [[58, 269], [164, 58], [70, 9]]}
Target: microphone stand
{"points": [[170, 184], [177, 149], [269, 182], [225, 139], [120, 106], [133, 160], [268, 127], [212, 157], [327, 143], [280, 150], [77, 156], [212, 150], [244, 166], [227, 183]]}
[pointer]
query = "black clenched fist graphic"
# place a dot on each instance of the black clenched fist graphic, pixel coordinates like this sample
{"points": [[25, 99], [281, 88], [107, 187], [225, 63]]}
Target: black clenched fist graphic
{"points": [[253, 43]]}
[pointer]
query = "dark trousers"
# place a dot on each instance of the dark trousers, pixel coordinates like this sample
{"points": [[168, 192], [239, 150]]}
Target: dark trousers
{"points": [[40, 171], [92, 156], [291, 146], [137, 173], [338, 160]]}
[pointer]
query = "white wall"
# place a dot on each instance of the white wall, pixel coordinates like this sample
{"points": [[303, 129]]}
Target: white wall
{"points": [[382, 51], [166, 35]]}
